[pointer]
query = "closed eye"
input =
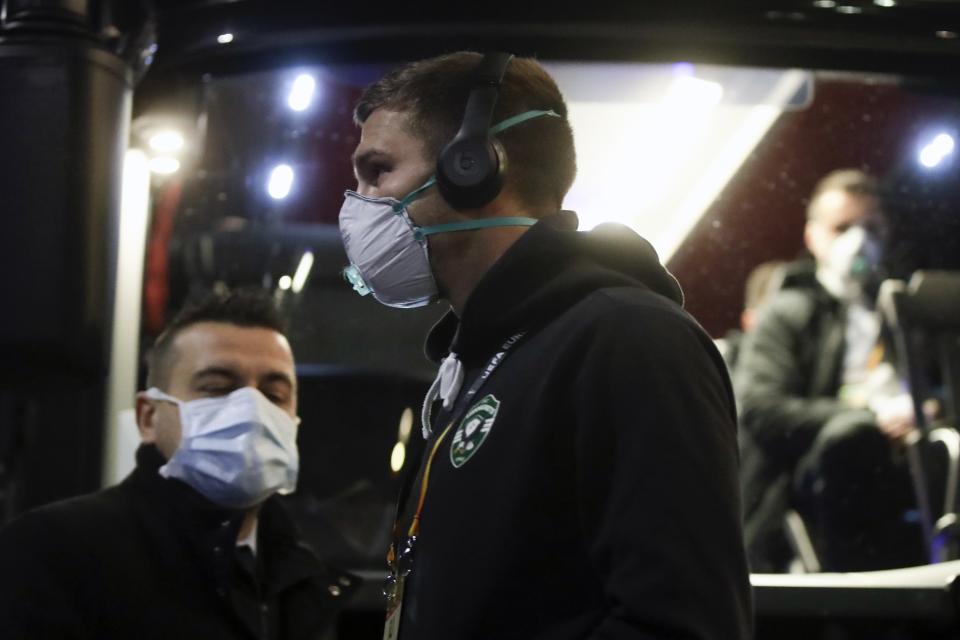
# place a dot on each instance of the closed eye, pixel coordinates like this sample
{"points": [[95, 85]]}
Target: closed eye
{"points": [[216, 391]]}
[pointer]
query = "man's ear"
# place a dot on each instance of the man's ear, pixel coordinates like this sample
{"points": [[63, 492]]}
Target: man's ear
{"points": [[146, 418]]}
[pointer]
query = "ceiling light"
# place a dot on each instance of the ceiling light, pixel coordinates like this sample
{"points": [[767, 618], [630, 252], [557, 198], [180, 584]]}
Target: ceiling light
{"points": [[406, 425], [936, 151], [397, 457], [824, 4], [166, 141], [164, 165], [285, 282], [885, 3], [849, 9], [303, 270], [301, 94], [280, 182], [225, 38]]}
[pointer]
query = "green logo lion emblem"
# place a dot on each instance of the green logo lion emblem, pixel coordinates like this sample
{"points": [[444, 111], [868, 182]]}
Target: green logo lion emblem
{"points": [[473, 430]]}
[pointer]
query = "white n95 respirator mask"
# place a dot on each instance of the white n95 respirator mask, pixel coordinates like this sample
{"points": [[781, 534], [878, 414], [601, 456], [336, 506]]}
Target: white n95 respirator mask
{"points": [[236, 450], [388, 253]]}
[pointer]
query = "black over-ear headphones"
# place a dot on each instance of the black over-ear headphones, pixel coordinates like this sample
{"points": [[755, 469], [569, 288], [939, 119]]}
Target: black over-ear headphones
{"points": [[471, 167]]}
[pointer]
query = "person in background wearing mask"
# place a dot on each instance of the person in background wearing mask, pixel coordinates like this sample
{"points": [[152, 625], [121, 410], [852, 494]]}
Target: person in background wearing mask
{"points": [[823, 415], [580, 474], [192, 544]]}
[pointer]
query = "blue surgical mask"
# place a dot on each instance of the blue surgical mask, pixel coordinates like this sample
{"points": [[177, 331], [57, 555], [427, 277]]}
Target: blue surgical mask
{"points": [[389, 255], [236, 450]]}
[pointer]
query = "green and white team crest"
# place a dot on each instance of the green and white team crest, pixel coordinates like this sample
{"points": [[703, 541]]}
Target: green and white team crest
{"points": [[473, 430]]}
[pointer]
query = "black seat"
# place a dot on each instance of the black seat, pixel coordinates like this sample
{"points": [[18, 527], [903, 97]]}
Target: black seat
{"points": [[924, 315]]}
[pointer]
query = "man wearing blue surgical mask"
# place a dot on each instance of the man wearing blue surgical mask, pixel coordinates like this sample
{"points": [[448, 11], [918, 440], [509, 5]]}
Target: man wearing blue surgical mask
{"points": [[192, 543], [824, 414], [581, 429]]}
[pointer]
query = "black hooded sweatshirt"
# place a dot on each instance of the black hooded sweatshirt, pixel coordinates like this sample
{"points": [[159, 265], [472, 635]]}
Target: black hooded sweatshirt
{"points": [[601, 499]]}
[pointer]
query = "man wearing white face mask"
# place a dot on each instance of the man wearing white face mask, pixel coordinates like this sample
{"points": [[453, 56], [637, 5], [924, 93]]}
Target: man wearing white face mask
{"points": [[823, 412], [191, 544], [580, 478]]}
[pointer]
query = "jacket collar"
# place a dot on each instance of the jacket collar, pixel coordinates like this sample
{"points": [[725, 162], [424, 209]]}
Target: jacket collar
{"points": [[177, 515], [547, 270]]}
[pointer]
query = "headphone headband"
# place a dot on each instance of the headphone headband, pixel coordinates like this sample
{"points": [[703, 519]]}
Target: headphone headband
{"points": [[478, 114]]}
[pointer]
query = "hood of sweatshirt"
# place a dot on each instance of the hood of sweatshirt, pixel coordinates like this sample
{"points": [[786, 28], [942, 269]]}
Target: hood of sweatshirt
{"points": [[548, 269]]}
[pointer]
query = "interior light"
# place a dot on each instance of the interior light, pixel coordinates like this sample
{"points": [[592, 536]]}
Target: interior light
{"points": [[303, 270], [285, 282], [944, 142], [687, 143], [406, 424], [397, 457], [690, 93], [825, 4], [936, 151], [849, 9], [164, 165], [130, 246], [225, 38], [885, 3], [946, 35], [682, 69], [301, 93], [280, 182], [166, 141], [929, 157]]}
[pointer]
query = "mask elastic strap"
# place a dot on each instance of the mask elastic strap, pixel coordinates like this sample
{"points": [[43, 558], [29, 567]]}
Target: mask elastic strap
{"points": [[403, 204], [155, 394], [521, 117], [494, 130], [471, 225]]}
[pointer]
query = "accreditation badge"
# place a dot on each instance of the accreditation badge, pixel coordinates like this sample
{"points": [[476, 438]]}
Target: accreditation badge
{"points": [[391, 630]]}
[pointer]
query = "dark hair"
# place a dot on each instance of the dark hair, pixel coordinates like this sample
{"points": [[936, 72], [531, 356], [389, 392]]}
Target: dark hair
{"points": [[852, 181], [241, 307], [433, 93]]}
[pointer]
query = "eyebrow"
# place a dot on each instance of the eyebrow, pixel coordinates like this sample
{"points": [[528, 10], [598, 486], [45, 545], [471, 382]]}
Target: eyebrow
{"points": [[278, 376], [368, 155]]}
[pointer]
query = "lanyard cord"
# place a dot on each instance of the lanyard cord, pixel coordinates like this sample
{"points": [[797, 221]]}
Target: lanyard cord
{"points": [[425, 480], [415, 524]]}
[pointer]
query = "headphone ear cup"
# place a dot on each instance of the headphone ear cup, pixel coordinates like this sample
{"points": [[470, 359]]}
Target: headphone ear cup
{"points": [[470, 172]]}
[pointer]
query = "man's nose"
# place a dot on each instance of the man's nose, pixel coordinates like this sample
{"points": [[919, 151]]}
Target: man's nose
{"points": [[368, 190]]}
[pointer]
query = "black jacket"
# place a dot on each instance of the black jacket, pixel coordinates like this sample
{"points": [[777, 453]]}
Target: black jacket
{"points": [[788, 377], [151, 558], [603, 502]]}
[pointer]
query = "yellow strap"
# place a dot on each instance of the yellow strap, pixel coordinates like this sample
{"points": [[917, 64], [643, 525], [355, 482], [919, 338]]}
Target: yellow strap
{"points": [[425, 481]]}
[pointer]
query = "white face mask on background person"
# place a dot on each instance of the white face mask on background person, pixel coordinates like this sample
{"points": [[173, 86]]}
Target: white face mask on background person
{"points": [[852, 261], [236, 450]]}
